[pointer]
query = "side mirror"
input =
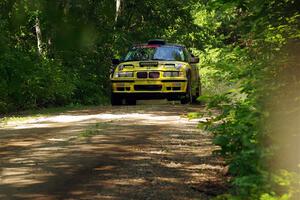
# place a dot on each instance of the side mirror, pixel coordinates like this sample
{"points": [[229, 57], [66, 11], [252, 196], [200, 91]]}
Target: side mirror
{"points": [[115, 61], [195, 60]]}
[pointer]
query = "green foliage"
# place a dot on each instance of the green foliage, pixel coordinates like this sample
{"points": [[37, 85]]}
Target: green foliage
{"points": [[240, 62], [249, 66], [29, 82], [93, 130], [194, 115], [79, 38]]}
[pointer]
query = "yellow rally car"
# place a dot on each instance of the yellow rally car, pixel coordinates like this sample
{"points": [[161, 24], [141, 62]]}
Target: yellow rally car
{"points": [[155, 70]]}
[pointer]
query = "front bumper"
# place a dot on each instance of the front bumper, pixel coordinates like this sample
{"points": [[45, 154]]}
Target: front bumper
{"points": [[165, 86]]}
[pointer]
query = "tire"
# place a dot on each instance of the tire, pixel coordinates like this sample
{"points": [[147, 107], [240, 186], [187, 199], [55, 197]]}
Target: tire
{"points": [[194, 99], [130, 101], [188, 97], [199, 92], [116, 100]]}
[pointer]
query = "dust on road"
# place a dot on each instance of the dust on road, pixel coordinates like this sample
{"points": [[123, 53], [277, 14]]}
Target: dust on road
{"points": [[136, 152]]}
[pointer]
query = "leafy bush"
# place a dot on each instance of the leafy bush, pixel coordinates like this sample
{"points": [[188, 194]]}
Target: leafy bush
{"points": [[30, 82], [246, 55]]}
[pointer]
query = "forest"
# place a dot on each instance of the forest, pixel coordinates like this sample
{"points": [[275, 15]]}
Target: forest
{"points": [[58, 53]]}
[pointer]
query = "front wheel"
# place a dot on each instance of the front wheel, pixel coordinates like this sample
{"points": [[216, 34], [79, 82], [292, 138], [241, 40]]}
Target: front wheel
{"points": [[188, 97], [198, 93], [116, 100], [130, 101]]}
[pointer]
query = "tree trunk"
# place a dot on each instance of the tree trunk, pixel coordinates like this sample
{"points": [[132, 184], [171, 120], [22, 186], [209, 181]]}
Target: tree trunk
{"points": [[118, 9], [38, 36], [67, 7]]}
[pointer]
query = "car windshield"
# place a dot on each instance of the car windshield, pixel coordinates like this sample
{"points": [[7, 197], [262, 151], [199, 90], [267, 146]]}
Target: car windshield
{"points": [[169, 53]]}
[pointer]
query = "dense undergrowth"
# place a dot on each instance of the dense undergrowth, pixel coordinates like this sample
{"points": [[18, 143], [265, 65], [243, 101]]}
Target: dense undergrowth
{"points": [[254, 80]]}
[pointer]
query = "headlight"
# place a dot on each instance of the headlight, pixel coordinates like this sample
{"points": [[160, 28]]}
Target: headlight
{"points": [[177, 66], [173, 74], [123, 74], [121, 67]]}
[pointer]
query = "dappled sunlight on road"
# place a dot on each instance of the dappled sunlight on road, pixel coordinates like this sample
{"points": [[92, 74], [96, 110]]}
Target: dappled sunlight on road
{"points": [[61, 120], [107, 154]]}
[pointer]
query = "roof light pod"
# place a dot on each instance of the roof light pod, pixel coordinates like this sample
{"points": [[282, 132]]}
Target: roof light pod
{"points": [[157, 41]]}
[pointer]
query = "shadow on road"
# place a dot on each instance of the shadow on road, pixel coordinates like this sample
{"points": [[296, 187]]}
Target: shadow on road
{"points": [[133, 153]]}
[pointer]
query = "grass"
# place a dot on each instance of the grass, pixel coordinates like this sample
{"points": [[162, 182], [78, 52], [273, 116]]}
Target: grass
{"points": [[89, 133], [5, 120], [93, 130], [194, 115]]}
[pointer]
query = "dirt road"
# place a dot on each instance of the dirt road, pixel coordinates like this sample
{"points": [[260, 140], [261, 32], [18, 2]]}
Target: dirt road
{"points": [[134, 152]]}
